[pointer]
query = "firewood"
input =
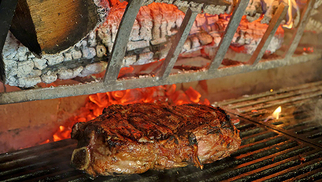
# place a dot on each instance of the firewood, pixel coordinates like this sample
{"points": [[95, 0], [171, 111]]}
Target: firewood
{"points": [[51, 26]]}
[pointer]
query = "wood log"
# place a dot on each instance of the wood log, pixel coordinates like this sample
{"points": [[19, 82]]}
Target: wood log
{"points": [[51, 26]]}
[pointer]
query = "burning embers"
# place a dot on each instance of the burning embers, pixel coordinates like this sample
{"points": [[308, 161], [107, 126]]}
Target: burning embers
{"points": [[150, 40], [97, 102]]}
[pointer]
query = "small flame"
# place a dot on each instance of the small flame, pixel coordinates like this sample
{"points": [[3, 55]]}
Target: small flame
{"points": [[277, 112], [291, 4], [275, 115]]}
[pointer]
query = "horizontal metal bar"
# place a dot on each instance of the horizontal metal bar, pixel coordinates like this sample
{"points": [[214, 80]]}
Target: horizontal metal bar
{"points": [[91, 88], [122, 38], [269, 34], [305, 16], [228, 35], [177, 44]]}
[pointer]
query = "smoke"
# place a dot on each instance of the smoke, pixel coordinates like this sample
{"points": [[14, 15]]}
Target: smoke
{"points": [[311, 109]]}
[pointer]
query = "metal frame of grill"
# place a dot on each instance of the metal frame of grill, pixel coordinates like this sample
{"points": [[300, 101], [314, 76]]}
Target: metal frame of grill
{"points": [[163, 77], [270, 151]]}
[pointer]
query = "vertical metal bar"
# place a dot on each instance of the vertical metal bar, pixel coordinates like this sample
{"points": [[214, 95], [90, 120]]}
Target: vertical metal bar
{"points": [[122, 38], [228, 36], [267, 37], [177, 44], [299, 30], [7, 9]]}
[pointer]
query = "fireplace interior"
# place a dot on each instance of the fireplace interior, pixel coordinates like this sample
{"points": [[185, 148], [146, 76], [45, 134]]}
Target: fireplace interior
{"points": [[248, 57]]}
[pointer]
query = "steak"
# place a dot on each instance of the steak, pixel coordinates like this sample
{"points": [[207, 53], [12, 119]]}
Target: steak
{"points": [[134, 138]]}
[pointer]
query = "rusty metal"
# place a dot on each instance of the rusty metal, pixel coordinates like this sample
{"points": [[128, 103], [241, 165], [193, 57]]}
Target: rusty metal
{"points": [[122, 38], [130, 83], [269, 34], [305, 16], [228, 36], [177, 44]]}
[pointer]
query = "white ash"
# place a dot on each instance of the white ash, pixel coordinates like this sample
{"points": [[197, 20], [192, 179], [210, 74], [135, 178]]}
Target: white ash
{"points": [[28, 81], [76, 54], [93, 69], [22, 53], [68, 56], [88, 53], [92, 42], [144, 58], [53, 59], [49, 77], [24, 68], [129, 60], [65, 73]]}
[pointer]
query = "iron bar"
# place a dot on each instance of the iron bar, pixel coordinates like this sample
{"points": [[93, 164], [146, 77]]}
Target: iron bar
{"points": [[228, 35], [122, 38], [177, 44], [7, 10], [98, 87], [269, 34], [305, 16]]}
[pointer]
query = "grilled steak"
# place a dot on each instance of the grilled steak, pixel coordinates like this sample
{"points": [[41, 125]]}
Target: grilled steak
{"points": [[137, 137]]}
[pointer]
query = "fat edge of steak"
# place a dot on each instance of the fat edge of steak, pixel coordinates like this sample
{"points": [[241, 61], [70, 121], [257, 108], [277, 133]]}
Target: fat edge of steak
{"points": [[137, 137]]}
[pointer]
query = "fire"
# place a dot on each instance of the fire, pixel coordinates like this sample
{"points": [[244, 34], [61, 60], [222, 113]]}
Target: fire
{"points": [[277, 112], [97, 102], [275, 115], [292, 4]]}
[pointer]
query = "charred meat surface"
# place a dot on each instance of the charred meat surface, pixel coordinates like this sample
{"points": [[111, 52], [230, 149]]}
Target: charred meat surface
{"points": [[137, 137]]}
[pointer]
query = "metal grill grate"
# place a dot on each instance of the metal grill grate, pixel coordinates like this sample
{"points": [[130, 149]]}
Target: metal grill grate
{"points": [[287, 149], [301, 115]]}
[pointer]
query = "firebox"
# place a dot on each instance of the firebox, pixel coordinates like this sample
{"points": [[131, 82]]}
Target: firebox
{"points": [[64, 62]]}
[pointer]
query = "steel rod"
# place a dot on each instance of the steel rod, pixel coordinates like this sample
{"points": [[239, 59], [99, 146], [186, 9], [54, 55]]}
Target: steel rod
{"points": [[91, 88], [305, 16], [228, 35], [177, 44], [269, 34], [122, 38]]}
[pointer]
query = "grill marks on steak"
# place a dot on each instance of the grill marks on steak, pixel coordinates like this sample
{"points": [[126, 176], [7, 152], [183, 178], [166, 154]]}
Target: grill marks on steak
{"points": [[137, 137]]}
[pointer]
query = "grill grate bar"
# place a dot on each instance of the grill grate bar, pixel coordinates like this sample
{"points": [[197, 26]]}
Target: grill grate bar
{"points": [[271, 164], [305, 16], [312, 175], [271, 94], [245, 149], [177, 44], [275, 103], [277, 97], [122, 38], [228, 35], [269, 33], [304, 167], [258, 137], [252, 168]]}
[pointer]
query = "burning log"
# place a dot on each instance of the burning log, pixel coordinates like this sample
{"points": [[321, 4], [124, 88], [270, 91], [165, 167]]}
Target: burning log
{"points": [[51, 26], [150, 39]]}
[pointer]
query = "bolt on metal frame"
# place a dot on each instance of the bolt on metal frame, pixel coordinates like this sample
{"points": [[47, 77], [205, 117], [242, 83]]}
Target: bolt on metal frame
{"points": [[163, 77]]}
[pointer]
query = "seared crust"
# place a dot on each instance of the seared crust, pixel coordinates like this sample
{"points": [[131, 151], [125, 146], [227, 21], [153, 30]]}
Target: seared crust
{"points": [[137, 137]]}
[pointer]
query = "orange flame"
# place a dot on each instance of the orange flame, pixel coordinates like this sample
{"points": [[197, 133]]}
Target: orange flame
{"points": [[291, 4], [275, 115], [97, 102], [277, 112]]}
